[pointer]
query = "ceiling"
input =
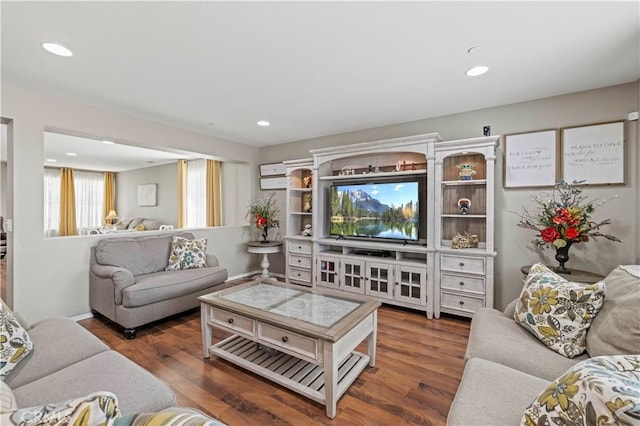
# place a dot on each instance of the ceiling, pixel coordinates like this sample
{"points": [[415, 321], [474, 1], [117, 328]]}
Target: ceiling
{"points": [[315, 68]]}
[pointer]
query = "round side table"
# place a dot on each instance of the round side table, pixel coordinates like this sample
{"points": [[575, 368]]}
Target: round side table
{"points": [[576, 275], [264, 249]]}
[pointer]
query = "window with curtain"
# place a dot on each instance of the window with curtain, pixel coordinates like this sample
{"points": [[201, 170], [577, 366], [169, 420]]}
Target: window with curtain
{"points": [[196, 194], [89, 200], [51, 202], [89, 187]]}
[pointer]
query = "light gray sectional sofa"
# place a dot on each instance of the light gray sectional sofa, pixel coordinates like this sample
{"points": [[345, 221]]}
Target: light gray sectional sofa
{"points": [[507, 367], [69, 362], [129, 285]]}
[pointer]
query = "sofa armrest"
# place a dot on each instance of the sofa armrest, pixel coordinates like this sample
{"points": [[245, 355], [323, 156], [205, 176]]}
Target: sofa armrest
{"points": [[121, 278], [510, 310], [212, 260]]}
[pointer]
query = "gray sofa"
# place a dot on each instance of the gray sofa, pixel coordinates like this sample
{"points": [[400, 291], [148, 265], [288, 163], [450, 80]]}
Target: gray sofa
{"points": [[507, 367], [69, 362], [129, 285]]}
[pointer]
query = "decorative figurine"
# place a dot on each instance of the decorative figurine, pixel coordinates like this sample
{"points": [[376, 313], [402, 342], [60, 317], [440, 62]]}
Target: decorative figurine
{"points": [[464, 204], [306, 181], [398, 166], [463, 241], [466, 170], [307, 230], [307, 203]]}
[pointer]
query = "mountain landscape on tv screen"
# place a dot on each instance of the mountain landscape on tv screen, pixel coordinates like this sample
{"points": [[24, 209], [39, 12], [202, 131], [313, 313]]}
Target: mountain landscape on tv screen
{"points": [[356, 212]]}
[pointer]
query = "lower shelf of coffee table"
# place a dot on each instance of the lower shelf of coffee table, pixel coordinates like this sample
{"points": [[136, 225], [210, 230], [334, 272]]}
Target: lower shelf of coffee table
{"points": [[287, 370]]}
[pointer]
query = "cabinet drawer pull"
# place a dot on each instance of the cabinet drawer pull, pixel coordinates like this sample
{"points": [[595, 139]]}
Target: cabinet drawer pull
{"points": [[461, 263], [299, 247], [461, 283], [299, 261], [461, 302], [285, 339], [298, 274], [230, 320]]}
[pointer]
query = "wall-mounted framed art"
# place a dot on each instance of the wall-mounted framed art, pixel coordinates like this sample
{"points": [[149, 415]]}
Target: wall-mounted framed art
{"points": [[530, 159], [272, 169], [594, 153], [147, 194], [279, 182]]}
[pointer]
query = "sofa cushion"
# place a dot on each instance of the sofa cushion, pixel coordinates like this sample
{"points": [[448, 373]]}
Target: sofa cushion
{"points": [[497, 338], [140, 255], [15, 343], [558, 312], [7, 400], [492, 394], [164, 285], [187, 254], [616, 329], [99, 408], [122, 223], [600, 390], [57, 343], [137, 389], [135, 222], [150, 224]]}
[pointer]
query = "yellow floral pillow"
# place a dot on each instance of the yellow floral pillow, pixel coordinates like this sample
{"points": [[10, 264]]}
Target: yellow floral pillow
{"points": [[558, 312], [15, 343], [603, 390]]}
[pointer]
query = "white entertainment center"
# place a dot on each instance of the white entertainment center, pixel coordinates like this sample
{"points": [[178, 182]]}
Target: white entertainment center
{"points": [[457, 198]]}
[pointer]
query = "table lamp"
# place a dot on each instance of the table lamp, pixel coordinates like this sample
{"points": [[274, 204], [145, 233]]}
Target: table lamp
{"points": [[111, 217]]}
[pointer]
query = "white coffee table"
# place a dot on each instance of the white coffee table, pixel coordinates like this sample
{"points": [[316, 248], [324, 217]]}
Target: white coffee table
{"points": [[302, 339]]}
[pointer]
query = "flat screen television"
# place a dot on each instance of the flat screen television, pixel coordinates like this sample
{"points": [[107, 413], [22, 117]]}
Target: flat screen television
{"points": [[386, 209]]}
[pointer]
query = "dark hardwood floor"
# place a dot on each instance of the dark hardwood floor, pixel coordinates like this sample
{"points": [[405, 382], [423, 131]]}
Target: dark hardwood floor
{"points": [[418, 368]]}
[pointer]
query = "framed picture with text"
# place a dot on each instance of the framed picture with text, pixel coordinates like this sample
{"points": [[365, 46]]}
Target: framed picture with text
{"points": [[530, 159], [594, 153]]}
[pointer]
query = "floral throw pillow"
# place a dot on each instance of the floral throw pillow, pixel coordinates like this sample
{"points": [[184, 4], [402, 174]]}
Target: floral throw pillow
{"points": [[99, 408], [603, 390], [174, 416], [187, 254], [15, 343], [558, 312]]}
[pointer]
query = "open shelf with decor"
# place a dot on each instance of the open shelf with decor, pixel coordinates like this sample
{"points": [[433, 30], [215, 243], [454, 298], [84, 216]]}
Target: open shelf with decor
{"points": [[299, 219], [464, 228]]}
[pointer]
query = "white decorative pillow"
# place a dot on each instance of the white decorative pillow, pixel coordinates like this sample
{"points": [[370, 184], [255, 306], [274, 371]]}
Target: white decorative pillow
{"points": [[598, 391], [187, 254], [558, 312], [15, 343], [99, 408]]}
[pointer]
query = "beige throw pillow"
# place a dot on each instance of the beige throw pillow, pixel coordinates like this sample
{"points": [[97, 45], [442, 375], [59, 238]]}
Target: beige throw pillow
{"points": [[616, 329], [558, 312]]}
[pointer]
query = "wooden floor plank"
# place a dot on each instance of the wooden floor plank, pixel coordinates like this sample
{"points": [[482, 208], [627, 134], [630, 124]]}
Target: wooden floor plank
{"points": [[419, 364]]}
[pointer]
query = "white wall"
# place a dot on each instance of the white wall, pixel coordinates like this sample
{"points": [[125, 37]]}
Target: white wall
{"points": [[59, 283], [514, 249], [165, 177]]}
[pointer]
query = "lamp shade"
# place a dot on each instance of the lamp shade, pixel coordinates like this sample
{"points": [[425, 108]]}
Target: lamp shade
{"points": [[112, 215]]}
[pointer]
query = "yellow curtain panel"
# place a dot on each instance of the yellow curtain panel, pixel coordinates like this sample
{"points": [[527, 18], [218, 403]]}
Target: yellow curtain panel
{"points": [[109, 194], [214, 208], [67, 204], [182, 193]]}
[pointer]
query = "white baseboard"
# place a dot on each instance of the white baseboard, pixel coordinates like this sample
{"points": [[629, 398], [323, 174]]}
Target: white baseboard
{"points": [[82, 316]]}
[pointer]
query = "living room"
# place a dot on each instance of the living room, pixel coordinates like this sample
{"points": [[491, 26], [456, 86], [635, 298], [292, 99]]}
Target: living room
{"points": [[59, 285]]}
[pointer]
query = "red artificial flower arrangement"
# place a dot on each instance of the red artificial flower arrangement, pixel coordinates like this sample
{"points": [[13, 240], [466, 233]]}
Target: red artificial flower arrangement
{"points": [[265, 212], [564, 217]]}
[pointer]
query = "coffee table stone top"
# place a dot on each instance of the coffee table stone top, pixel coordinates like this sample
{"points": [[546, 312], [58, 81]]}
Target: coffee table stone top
{"points": [[288, 306]]}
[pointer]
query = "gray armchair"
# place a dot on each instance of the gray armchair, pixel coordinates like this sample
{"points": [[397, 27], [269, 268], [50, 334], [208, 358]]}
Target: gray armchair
{"points": [[129, 285]]}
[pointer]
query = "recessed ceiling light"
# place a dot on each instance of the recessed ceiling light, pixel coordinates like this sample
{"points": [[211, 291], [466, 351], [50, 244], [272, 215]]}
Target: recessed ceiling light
{"points": [[71, 154], [108, 142], [476, 71], [57, 49], [51, 160], [263, 123]]}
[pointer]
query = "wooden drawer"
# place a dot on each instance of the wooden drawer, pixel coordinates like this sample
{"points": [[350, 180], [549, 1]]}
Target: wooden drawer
{"points": [[297, 343], [233, 321], [299, 275], [303, 247], [474, 265], [460, 303], [462, 283], [299, 261]]}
